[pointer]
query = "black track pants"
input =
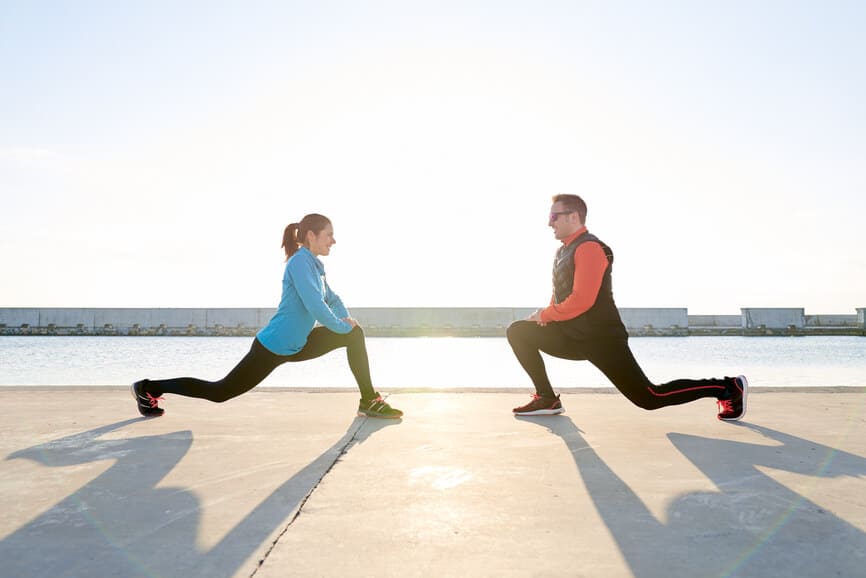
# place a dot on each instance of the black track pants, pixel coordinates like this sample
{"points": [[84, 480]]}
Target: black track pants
{"points": [[612, 356], [260, 362]]}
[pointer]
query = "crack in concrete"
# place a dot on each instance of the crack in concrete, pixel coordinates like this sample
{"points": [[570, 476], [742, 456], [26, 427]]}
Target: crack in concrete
{"points": [[342, 451]]}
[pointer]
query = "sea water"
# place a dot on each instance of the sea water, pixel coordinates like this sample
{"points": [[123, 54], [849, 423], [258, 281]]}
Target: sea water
{"points": [[440, 362]]}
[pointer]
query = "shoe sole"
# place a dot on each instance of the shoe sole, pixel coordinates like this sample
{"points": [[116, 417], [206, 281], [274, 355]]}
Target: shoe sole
{"points": [[542, 412], [745, 383], [379, 415]]}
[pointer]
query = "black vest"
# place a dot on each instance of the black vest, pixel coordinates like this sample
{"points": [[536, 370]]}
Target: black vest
{"points": [[602, 319]]}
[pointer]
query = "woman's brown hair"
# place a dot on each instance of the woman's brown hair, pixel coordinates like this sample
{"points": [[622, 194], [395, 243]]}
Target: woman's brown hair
{"points": [[296, 233]]}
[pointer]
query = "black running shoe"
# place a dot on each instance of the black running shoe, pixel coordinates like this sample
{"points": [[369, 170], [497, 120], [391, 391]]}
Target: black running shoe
{"points": [[734, 407], [378, 407], [147, 404], [540, 405]]}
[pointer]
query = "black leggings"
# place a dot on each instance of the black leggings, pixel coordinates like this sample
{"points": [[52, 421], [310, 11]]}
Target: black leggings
{"points": [[612, 356], [260, 362]]}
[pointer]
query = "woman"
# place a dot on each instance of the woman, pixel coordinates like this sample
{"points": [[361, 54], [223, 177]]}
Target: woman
{"points": [[289, 335]]}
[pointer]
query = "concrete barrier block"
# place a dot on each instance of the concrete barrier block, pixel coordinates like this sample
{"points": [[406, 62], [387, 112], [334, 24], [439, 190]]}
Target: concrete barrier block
{"points": [[657, 317], [518, 313], [773, 317], [726, 321], [67, 317], [264, 314], [465, 318], [122, 319], [831, 321], [396, 317], [178, 318], [239, 317], [18, 316], [439, 320]]}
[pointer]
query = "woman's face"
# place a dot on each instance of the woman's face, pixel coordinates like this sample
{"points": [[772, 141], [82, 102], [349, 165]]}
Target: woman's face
{"points": [[321, 244]]}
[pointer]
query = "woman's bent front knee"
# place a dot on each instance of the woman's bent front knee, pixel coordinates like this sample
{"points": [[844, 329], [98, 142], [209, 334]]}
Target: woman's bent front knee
{"points": [[355, 335]]}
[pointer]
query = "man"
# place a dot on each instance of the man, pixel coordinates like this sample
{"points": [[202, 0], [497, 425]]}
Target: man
{"points": [[582, 322]]}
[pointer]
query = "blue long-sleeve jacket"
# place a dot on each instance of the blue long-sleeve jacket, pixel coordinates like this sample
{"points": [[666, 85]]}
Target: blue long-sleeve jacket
{"points": [[307, 298]]}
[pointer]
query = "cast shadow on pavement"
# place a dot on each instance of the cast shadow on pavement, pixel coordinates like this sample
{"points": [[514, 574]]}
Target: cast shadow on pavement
{"points": [[754, 526], [121, 524]]}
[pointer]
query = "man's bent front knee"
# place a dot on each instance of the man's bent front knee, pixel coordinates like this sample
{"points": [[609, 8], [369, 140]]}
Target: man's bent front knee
{"points": [[519, 330]]}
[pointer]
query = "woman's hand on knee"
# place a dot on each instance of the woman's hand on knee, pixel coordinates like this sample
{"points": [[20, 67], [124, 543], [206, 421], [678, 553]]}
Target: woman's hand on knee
{"points": [[353, 322]]}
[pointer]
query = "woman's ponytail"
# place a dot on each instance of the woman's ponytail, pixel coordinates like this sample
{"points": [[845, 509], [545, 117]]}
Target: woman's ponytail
{"points": [[290, 240], [295, 234]]}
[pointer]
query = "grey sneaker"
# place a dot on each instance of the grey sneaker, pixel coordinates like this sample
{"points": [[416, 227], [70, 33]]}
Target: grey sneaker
{"points": [[378, 407]]}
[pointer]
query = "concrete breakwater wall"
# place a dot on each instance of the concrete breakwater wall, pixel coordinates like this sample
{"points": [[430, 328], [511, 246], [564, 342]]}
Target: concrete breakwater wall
{"points": [[414, 321]]}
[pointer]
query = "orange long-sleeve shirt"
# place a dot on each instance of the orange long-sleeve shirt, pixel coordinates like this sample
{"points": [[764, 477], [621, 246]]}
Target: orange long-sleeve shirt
{"points": [[590, 263]]}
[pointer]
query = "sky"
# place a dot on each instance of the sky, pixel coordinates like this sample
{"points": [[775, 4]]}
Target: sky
{"points": [[151, 153]]}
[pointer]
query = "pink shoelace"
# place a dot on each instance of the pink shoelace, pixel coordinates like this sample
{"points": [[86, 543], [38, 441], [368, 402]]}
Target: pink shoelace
{"points": [[154, 401], [535, 397], [725, 406]]}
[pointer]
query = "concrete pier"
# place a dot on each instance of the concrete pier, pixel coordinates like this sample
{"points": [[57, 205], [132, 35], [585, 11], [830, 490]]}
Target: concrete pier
{"points": [[414, 321]]}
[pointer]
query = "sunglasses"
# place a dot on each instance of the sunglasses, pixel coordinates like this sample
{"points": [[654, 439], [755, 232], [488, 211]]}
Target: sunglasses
{"points": [[554, 216]]}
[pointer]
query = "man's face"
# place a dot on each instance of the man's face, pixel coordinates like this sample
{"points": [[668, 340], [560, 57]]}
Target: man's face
{"points": [[563, 222]]}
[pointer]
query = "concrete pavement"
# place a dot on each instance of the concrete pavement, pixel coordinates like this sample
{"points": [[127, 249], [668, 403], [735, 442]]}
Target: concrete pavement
{"points": [[278, 483]]}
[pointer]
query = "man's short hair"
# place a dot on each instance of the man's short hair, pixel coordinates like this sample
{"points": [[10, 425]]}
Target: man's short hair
{"points": [[572, 203]]}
